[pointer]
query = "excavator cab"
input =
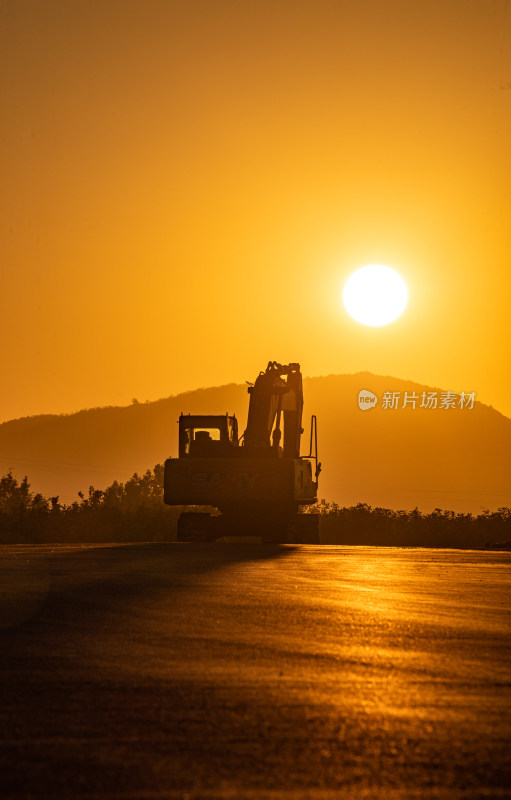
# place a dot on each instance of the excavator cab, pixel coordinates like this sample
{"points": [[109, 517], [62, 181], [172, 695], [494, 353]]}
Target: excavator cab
{"points": [[207, 436]]}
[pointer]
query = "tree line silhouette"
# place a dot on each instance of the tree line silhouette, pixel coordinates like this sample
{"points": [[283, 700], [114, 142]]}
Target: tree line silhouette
{"points": [[134, 511], [131, 511], [363, 525]]}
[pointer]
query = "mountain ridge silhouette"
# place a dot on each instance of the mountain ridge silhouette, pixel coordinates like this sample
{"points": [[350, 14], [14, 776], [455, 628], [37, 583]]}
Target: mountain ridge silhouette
{"points": [[395, 458]]}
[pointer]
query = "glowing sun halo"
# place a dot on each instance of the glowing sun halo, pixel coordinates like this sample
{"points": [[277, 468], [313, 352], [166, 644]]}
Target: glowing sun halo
{"points": [[375, 295]]}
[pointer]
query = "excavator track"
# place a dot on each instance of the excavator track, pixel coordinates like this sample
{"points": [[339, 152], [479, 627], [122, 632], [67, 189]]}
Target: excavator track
{"points": [[294, 529]]}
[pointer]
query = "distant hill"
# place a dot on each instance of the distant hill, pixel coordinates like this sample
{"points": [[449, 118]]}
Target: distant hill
{"points": [[447, 458]]}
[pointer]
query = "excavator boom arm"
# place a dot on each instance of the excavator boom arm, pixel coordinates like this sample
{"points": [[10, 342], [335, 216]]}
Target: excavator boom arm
{"points": [[277, 393]]}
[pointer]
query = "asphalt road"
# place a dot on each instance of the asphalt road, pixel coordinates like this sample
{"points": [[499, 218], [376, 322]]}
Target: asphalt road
{"points": [[254, 671]]}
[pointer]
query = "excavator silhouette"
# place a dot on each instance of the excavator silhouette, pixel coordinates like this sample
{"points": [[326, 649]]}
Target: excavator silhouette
{"points": [[258, 481]]}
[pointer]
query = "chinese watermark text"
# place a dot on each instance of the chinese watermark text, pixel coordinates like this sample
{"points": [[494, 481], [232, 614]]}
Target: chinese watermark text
{"points": [[394, 401]]}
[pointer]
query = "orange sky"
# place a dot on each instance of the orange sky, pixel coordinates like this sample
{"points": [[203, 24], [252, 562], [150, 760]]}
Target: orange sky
{"points": [[187, 185]]}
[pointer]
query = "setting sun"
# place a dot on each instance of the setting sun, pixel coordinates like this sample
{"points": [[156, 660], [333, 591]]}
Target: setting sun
{"points": [[375, 295]]}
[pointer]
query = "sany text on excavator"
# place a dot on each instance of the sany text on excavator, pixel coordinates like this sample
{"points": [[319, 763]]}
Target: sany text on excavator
{"points": [[257, 482]]}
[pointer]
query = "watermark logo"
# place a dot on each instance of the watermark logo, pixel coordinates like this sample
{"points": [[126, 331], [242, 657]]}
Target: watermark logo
{"points": [[366, 400], [394, 401]]}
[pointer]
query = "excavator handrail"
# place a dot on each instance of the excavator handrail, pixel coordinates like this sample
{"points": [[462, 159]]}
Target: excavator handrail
{"points": [[314, 437]]}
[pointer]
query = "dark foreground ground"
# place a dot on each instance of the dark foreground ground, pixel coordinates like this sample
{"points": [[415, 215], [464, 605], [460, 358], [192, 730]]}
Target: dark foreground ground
{"points": [[251, 671]]}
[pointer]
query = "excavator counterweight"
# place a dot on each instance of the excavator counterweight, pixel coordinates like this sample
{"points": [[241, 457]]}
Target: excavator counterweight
{"points": [[257, 482]]}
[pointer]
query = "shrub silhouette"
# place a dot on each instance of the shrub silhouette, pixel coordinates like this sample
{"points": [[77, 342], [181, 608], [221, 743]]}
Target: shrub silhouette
{"points": [[131, 511], [363, 525]]}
